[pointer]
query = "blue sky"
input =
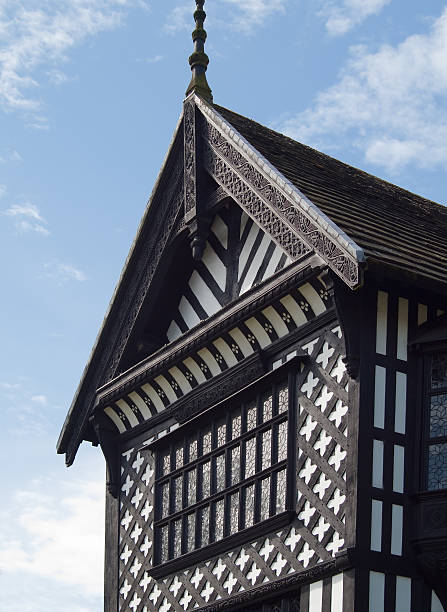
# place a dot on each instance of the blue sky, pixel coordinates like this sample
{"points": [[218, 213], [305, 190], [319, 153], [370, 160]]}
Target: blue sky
{"points": [[90, 93]]}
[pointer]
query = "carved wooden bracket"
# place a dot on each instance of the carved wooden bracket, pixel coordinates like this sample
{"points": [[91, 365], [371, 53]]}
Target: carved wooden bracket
{"points": [[108, 440], [348, 307]]}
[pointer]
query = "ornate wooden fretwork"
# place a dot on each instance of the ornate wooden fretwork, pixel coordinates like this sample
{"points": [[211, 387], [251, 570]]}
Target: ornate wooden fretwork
{"points": [[190, 183], [290, 226], [169, 204]]}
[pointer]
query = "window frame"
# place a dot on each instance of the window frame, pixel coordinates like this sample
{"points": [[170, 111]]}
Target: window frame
{"points": [[289, 373], [429, 351]]}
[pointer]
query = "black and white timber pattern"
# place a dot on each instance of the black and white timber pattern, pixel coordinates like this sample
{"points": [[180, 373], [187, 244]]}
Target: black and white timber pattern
{"points": [[317, 536], [238, 255], [259, 331]]}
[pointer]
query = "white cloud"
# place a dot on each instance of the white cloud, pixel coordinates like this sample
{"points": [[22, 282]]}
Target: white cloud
{"points": [[245, 16], [39, 399], [56, 531], [33, 35], [63, 272], [27, 218], [343, 16], [10, 156], [390, 104]]}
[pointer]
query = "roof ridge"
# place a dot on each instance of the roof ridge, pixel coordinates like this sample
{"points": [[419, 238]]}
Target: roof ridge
{"points": [[431, 204]]}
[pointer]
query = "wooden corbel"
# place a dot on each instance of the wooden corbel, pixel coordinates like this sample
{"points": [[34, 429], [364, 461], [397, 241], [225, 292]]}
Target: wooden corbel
{"points": [[108, 441]]}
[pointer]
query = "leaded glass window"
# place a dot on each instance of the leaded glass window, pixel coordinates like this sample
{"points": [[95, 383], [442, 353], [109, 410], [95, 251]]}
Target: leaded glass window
{"points": [[437, 423], [225, 473]]}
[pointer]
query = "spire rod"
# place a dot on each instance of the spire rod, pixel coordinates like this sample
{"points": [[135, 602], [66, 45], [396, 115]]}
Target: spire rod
{"points": [[199, 59]]}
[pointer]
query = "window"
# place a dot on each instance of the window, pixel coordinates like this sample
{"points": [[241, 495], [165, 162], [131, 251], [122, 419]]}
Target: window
{"points": [[436, 439], [228, 470]]}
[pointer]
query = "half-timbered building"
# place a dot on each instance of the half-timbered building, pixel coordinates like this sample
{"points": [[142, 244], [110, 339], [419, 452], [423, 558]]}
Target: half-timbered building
{"points": [[269, 387]]}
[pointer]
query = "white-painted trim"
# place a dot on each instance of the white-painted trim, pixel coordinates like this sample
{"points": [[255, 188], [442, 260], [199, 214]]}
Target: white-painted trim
{"points": [[403, 594], [400, 414], [377, 471], [379, 397], [382, 322], [402, 329], [397, 524], [376, 525]]}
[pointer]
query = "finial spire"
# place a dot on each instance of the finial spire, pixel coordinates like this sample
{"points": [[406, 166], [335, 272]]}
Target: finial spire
{"points": [[199, 59]]}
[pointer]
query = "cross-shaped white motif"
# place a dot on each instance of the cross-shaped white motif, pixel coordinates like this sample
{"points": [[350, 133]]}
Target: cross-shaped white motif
{"points": [[320, 528], [306, 555], [230, 583], [242, 559], [196, 578], [292, 539], [184, 601], [219, 569], [325, 355], [136, 533], [307, 471], [309, 347], [147, 474], [145, 582], [166, 606], [138, 496], [308, 427], [125, 554], [337, 331], [138, 462], [175, 587], [322, 443], [278, 564], [310, 384], [321, 486], [207, 591], [127, 454], [338, 370], [147, 509], [155, 594], [337, 457], [253, 573], [335, 544], [126, 520], [136, 566], [323, 399], [135, 602], [307, 513], [124, 590], [145, 547], [127, 485], [338, 413], [336, 501], [266, 549]]}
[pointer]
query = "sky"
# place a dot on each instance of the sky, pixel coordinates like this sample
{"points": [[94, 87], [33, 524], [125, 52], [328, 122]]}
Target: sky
{"points": [[90, 93]]}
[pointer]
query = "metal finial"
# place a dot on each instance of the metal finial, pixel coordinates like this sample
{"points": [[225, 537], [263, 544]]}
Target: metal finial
{"points": [[199, 59]]}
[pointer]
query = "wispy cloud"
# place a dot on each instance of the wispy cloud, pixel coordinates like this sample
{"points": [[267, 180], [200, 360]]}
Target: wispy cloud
{"points": [[41, 400], [63, 272], [11, 155], [245, 16], [390, 103], [343, 15], [38, 528], [2, 190], [33, 35], [27, 218]]}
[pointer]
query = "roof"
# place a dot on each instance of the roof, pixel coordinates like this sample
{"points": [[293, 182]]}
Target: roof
{"points": [[392, 225]]}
